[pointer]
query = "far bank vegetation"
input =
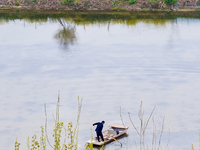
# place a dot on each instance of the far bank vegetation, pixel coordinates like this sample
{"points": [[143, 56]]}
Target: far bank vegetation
{"points": [[101, 4]]}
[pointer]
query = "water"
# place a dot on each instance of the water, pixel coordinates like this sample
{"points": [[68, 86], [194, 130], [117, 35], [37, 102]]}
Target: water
{"points": [[110, 61]]}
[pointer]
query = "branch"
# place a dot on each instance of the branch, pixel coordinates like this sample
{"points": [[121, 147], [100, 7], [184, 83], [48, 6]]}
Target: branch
{"points": [[121, 117], [133, 124], [168, 141], [161, 133], [149, 118], [46, 124]]}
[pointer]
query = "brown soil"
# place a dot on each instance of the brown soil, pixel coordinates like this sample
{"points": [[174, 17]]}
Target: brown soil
{"points": [[97, 4]]}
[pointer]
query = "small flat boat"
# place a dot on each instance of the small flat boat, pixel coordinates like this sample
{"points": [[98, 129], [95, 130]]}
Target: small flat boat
{"points": [[109, 135]]}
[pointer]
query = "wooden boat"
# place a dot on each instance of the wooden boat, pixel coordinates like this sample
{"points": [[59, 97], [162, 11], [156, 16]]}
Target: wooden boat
{"points": [[109, 135]]}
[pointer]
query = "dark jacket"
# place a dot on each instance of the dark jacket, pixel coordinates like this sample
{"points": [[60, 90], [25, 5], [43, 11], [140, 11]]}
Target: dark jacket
{"points": [[99, 126]]}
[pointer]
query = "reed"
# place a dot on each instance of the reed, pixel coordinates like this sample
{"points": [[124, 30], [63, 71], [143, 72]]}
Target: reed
{"points": [[156, 143], [192, 146], [70, 133], [17, 144], [121, 116]]}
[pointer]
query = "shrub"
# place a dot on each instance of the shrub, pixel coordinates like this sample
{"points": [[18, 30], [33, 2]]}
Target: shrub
{"points": [[153, 4], [16, 3], [169, 1], [113, 3], [132, 2], [86, 3], [77, 2], [66, 2], [61, 3], [153, 1]]}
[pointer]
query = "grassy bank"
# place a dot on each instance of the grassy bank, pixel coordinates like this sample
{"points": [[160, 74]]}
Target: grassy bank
{"points": [[90, 15]]}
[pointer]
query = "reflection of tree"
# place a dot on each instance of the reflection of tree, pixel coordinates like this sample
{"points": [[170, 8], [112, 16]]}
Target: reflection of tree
{"points": [[66, 36], [174, 33]]}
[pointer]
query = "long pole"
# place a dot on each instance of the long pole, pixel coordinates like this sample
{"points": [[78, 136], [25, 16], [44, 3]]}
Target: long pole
{"points": [[108, 135]]}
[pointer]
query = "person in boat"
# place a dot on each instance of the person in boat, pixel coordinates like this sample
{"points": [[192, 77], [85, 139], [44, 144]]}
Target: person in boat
{"points": [[99, 129]]}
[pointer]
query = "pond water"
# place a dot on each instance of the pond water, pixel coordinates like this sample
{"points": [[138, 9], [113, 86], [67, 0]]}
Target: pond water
{"points": [[109, 60]]}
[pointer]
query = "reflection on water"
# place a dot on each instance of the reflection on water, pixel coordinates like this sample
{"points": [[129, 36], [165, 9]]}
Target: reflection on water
{"points": [[142, 57], [84, 18], [66, 35]]}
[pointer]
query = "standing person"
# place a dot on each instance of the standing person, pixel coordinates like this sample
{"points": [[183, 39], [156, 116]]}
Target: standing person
{"points": [[99, 129]]}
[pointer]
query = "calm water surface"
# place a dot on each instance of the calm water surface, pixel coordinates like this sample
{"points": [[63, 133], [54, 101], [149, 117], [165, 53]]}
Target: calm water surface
{"points": [[109, 63]]}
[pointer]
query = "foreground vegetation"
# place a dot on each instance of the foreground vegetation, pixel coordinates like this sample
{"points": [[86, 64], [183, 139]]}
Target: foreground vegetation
{"points": [[141, 131], [192, 146], [70, 140], [67, 138]]}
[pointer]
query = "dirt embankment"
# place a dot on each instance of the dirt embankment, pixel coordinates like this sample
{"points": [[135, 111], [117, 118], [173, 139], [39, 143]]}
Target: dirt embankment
{"points": [[143, 5]]}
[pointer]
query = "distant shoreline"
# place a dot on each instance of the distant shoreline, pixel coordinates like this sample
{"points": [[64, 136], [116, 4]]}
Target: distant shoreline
{"points": [[19, 8], [103, 5]]}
